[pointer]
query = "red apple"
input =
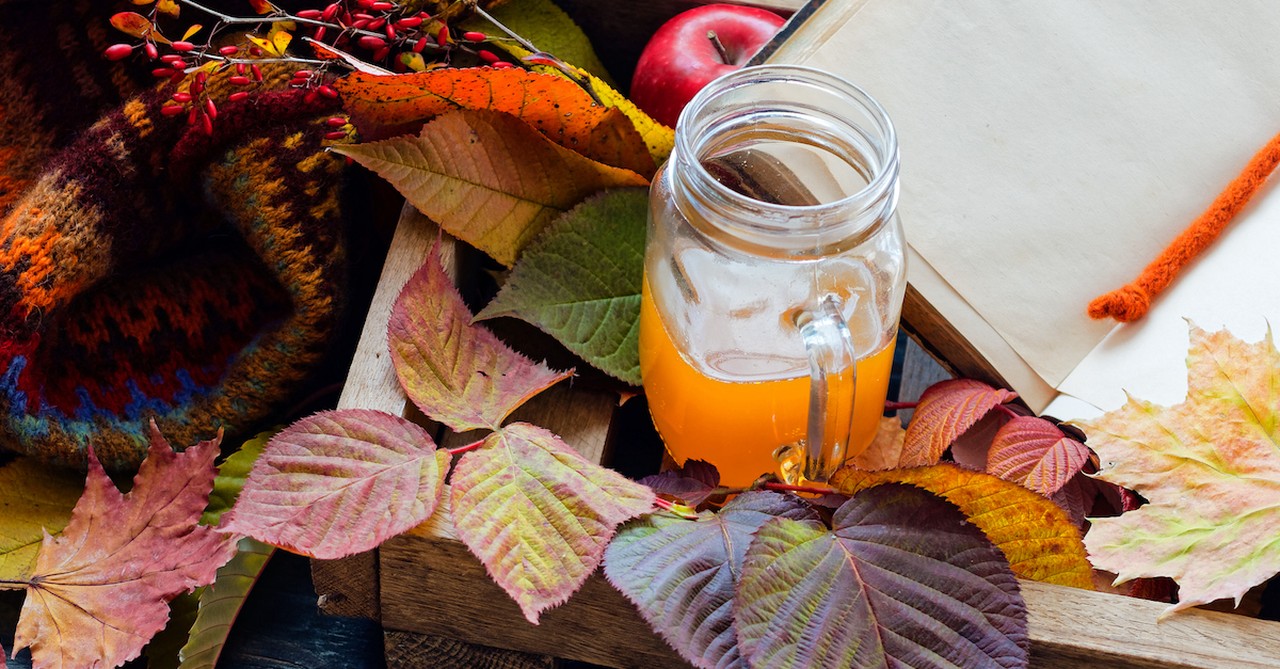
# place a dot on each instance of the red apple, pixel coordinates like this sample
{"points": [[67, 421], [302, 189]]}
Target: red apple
{"points": [[693, 48]]}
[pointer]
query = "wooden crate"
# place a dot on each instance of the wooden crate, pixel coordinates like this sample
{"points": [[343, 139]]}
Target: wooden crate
{"points": [[439, 609]]}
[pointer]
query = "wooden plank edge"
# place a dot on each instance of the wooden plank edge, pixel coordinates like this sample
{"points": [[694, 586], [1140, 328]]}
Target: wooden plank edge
{"points": [[1072, 628], [349, 586], [435, 586]]}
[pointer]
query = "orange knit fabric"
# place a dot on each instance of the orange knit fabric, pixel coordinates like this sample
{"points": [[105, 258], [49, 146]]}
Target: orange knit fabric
{"points": [[1131, 302]]}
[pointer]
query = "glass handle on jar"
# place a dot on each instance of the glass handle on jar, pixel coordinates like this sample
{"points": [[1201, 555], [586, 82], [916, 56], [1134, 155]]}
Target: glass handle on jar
{"points": [[832, 384]]}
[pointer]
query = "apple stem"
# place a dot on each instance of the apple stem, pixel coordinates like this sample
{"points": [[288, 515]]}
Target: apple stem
{"points": [[715, 41]]}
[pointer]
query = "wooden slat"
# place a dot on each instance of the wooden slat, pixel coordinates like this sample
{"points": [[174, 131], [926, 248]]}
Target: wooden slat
{"points": [[436, 586], [1078, 629], [349, 586], [941, 340]]}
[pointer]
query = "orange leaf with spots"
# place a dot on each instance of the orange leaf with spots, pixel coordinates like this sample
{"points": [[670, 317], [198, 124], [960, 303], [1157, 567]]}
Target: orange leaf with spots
{"points": [[136, 25], [383, 106], [945, 411], [1039, 540], [1209, 469]]}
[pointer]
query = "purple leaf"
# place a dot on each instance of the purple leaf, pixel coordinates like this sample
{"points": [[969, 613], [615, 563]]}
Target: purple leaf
{"points": [[692, 483], [681, 574], [902, 581]]}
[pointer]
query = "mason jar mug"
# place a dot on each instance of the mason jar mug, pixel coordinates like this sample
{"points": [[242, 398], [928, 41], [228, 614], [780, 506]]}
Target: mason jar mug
{"points": [[774, 276]]}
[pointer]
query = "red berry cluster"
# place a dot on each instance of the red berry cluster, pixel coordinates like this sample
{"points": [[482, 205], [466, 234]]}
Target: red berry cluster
{"points": [[377, 32]]}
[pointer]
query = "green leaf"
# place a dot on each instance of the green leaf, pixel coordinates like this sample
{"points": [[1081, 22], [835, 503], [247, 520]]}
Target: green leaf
{"points": [[34, 498], [538, 514], [232, 474], [901, 581], [487, 177], [221, 602], [163, 648], [190, 615], [580, 281], [548, 28], [340, 482], [682, 575], [457, 373]]}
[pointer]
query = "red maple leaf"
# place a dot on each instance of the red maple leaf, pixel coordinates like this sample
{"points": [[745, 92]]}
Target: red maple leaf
{"points": [[100, 589]]}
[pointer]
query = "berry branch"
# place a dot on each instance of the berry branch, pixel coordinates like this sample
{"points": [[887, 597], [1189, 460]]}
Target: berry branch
{"points": [[351, 34]]}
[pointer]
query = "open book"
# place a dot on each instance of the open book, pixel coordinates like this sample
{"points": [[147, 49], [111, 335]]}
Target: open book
{"points": [[1050, 150]]}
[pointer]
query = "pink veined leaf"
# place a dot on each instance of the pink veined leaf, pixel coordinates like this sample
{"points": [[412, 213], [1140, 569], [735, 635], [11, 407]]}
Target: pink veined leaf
{"points": [[1034, 453], [538, 514], [457, 373], [340, 482], [100, 589], [946, 410]]}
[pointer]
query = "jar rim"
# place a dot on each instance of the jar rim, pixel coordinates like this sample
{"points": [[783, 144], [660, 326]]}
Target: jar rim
{"points": [[690, 132]]}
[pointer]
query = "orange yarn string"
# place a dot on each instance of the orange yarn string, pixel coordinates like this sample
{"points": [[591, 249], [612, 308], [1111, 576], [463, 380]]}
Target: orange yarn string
{"points": [[1131, 302]]}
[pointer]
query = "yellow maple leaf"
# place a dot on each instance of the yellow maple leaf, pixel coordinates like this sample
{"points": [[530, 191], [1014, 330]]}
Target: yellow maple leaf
{"points": [[277, 42], [1036, 536], [1209, 469]]}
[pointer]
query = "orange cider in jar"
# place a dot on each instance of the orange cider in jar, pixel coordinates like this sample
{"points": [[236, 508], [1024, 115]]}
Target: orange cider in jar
{"points": [[739, 425], [774, 275]]}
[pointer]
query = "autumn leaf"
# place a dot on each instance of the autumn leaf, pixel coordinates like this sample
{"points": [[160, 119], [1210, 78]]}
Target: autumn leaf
{"points": [[693, 483], [1039, 540], [457, 373], [203, 637], [137, 25], [899, 581], [659, 138], [34, 499], [276, 44], [1209, 469], [1034, 453], [885, 451], [220, 604], [386, 106], [682, 575], [232, 474], [944, 412], [338, 483], [579, 281], [100, 590], [538, 514], [488, 178]]}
